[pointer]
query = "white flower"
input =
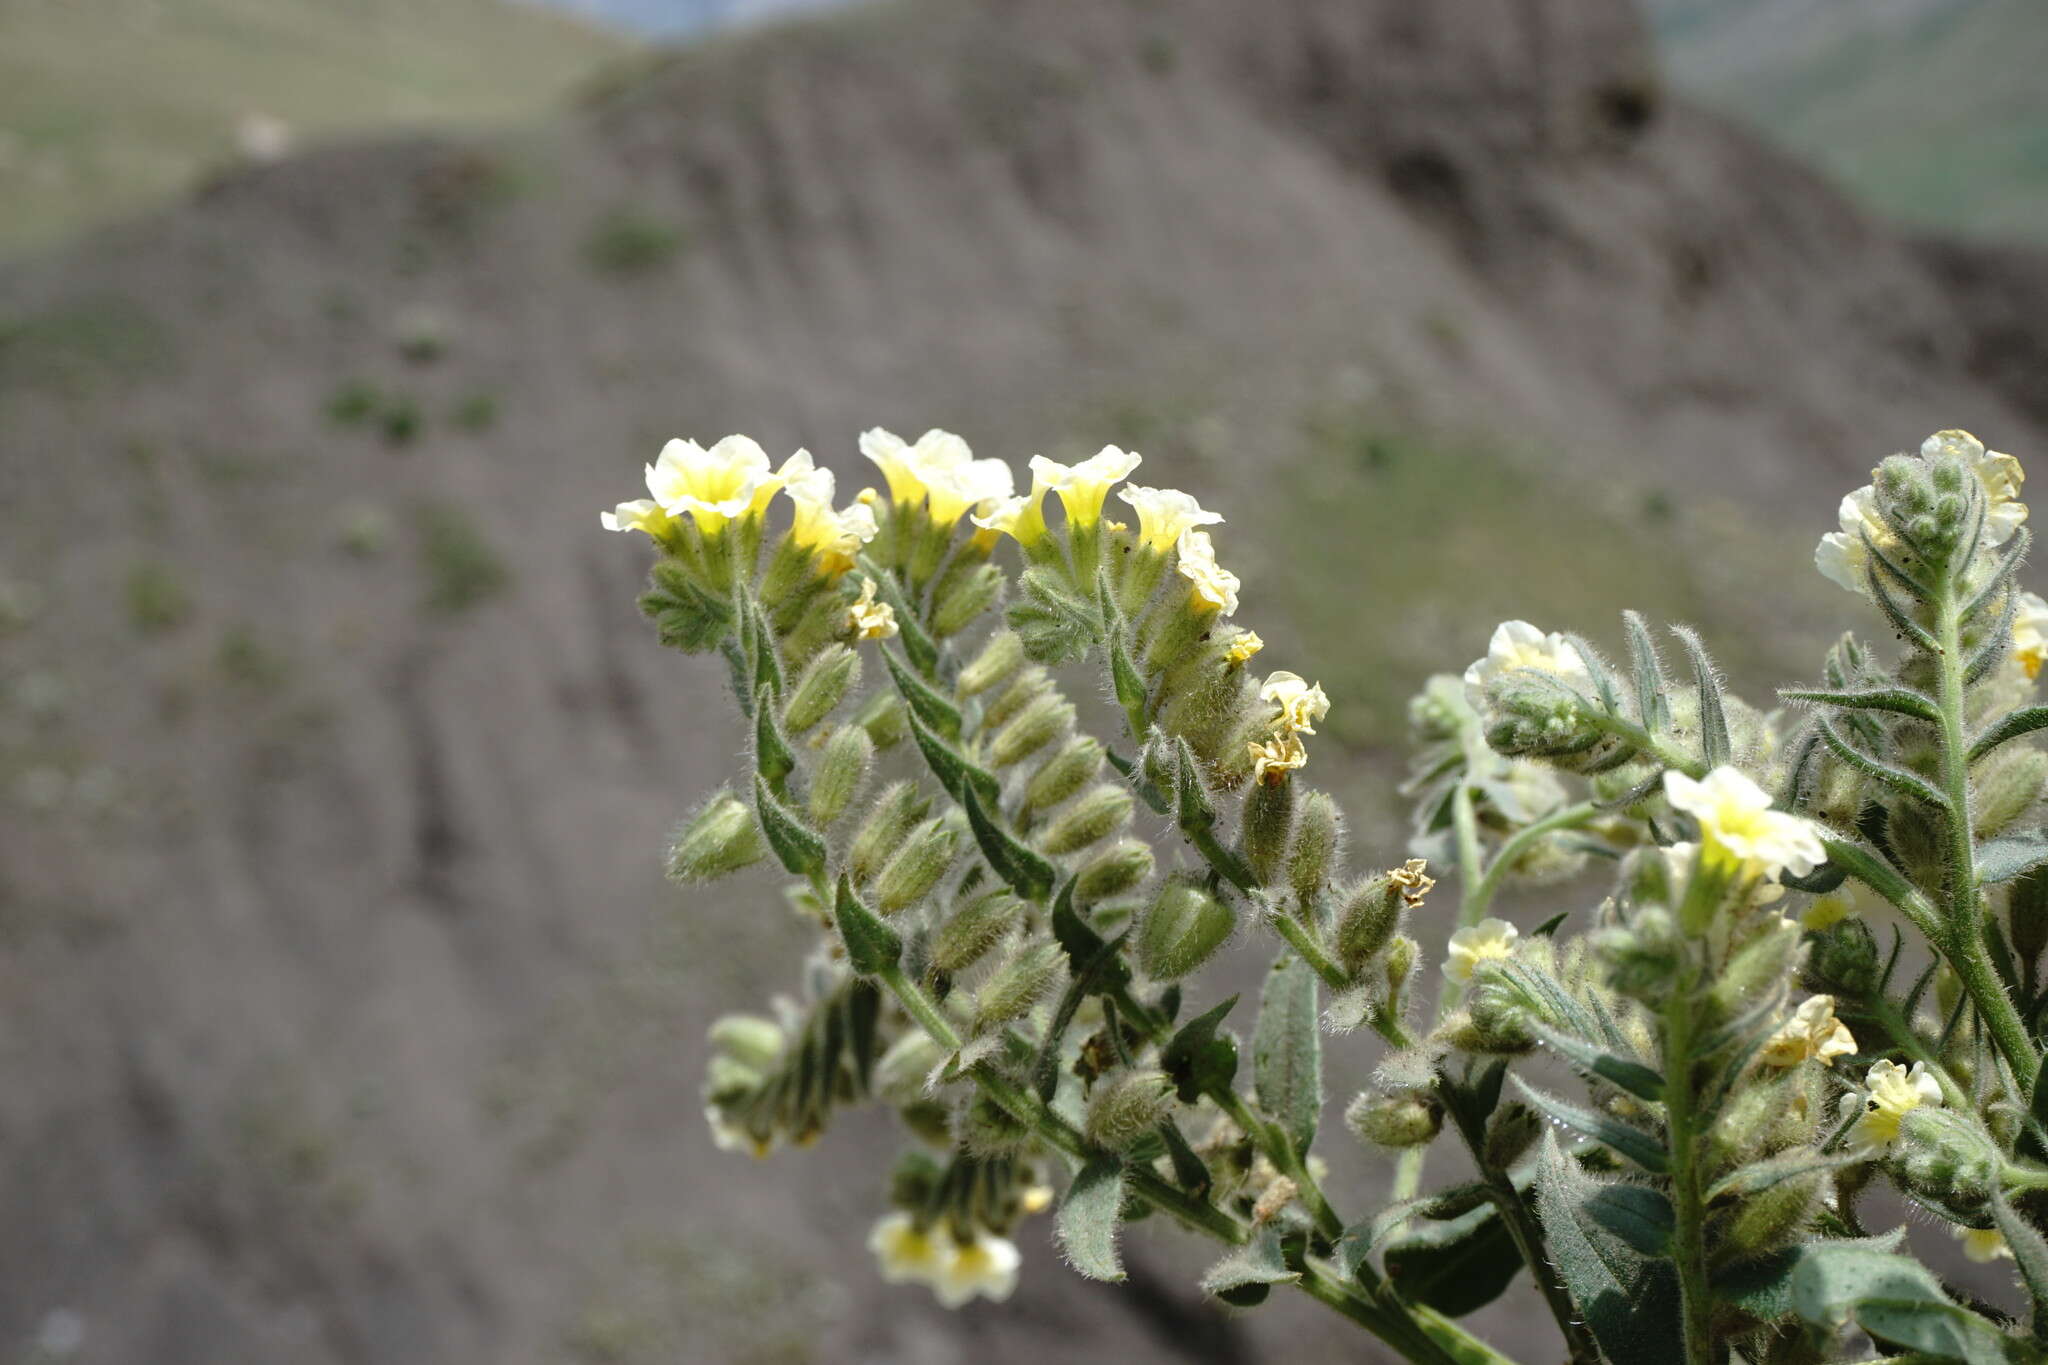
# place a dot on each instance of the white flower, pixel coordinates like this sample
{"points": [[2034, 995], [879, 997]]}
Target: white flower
{"points": [[1243, 645], [907, 1253], [952, 489], [1517, 644], [1737, 824], [1812, 1032], [1214, 585], [1163, 513], [1843, 556], [729, 480], [1983, 1245], [2030, 634], [986, 1266], [730, 1137], [869, 619], [892, 456], [1301, 702], [1082, 487], [642, 514], [1893, 1092], [1490, 940], [834, 536], [2000, 475]]}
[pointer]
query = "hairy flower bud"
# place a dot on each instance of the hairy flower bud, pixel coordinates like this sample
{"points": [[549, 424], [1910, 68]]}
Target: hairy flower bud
{"points": [[1065, 773], [1031, 729], [1094, 815], [1268, 827], [974, 929], [985, 1128], [1843, 961], [999, 658], [1642, 957], [1026, 687], [897, 809], [748, 1039], [722, 837], [1509, 1134], [1410, 1119], [884, 718], [2007, 785], [1182, 929], [822, 685], [1368, 917], [1115, 870], [1023, 978], [1318, 849], [963, 596], [1126, 1106], [915, 868], [841, 768], [1765, 1220], [1399, 965], [1758, 965], [1944, 1157]]}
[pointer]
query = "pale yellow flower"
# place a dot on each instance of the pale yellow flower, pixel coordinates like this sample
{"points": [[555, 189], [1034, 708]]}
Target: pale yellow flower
{"points": [[1812, 1033], [833, 535], [1214, 585], [1517, 645], [1278, 756], [642, 514], [730, 1137], [869, 619], [1036, 1198], [1892, 1093], [1983, 1245], [2030, 635], [1843, 556], [892, 456], [1082, 487], [985, 1267], [1163, 513], [1490, 940], [1414, 881], [1243, 645], [1301, 702], [907, 1253], [2000, 475], [1737, 824], [729, 480]]}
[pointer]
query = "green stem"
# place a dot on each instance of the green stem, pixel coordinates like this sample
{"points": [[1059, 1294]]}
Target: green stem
{"points": [[1688, 1234], [1304, 941], [1907, 1039], [1962, 940], [1656, 746], [1478, 899]]}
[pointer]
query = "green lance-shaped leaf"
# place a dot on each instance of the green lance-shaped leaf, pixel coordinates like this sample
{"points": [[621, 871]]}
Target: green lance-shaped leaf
{"points": [[1996, 646], [2009, 556], [1089, 1217], [936, 711], [2011, 855], [872, 947], [1097, 969], [1894, 614], [1244, 1277], [1633, 1143], [800, 848], [1653, 709], [1130, 687], [1591, 1060], [1287, 1051], [1900, 701], [1020, 867], [1598, 1234], [954, 771], [767, 664], [1898, 779], [1758, 1176], [1714, 744], [1890, 1296], [1456, 1266], [1201, 1060], [773, 758], [2024, 721], [2029, 1254]]}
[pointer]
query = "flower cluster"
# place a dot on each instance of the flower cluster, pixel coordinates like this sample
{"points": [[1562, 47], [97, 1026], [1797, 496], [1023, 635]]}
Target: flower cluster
{"points": [[954, 1268]]}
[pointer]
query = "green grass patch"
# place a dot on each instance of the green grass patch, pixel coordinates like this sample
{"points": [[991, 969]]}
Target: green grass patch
{"points": [[462, 568], [158, 601], [631, 241]]}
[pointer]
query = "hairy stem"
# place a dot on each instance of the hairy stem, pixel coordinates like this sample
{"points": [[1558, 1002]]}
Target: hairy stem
{"points": [[1688, 1206]]}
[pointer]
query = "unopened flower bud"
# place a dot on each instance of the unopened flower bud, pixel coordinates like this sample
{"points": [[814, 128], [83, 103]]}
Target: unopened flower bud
{"points": [[1030, 730], [1065, 773], [963, 596], [1024, 978], [720, 838], [1026, 687], [1944, 1157], [1398, 965], [2006, 786], [987, 1129], [999, 658], [1094, 815], [748, 1039], [915, 868], [900, 1074], [1268, 827], [1644, 956], [1410, 1119], [1183, 928], [1127, 1106], [897, 809], [1318, 846], [1843, 961], [1372, 910], [1115, 870], [841, 768], [1764, 1220], [973, 930], [884, 718], [822, 685], [1757, 966]]}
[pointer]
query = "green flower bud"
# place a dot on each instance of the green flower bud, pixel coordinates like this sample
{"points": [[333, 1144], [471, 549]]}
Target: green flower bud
{"points": [[1757, 966], [901, 1072], [974, 929], [896, 810], [837, 777], [1115, 870], [884, 718], [1842, 961], [985, 1128], [962, 596], [1763, 1221], [1182, 929], [2007, 785], [1094, 815], [729, 1082], [748, 1039], [1512, 1130], [999, 658], [1917, 838], [721, 838], [1752, 1120], [1025, 977], [1945, 1158], [1531, 714], [1644, 956], [1030, 730], [1497, 1019], [1025, 688], [1318, 848], [915, 868], [1268, 827], [1065, 773], [1410, 1119], [1370, 914], [821, 686], [1127, 1106], [1398, 965]]}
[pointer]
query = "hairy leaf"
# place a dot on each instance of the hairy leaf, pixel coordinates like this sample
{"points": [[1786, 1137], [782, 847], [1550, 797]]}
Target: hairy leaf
{"points": [[1457, 1266], [1201, 1060], [1633, 1143], [2011, 855], [1902, 701], [872, 946], [1627, 1296], [1089, 1217], [800, 848], [1023, 869], [1714, 743], [1242, 1277], [1634, 1077], [1287, 1051]]}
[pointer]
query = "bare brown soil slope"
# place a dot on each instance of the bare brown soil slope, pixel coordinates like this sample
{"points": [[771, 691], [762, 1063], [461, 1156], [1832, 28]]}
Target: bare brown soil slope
{"points": [[348, 1019]]}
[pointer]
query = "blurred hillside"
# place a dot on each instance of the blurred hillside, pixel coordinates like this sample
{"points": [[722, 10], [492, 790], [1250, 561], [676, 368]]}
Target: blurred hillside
{"points": [[107, 106], [349, 1019], [1932, 111]]}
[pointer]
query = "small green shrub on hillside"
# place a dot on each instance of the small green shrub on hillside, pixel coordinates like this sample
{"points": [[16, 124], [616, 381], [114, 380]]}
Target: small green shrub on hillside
{"points": [[630, 241], [157, 599], [462, 568]]}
